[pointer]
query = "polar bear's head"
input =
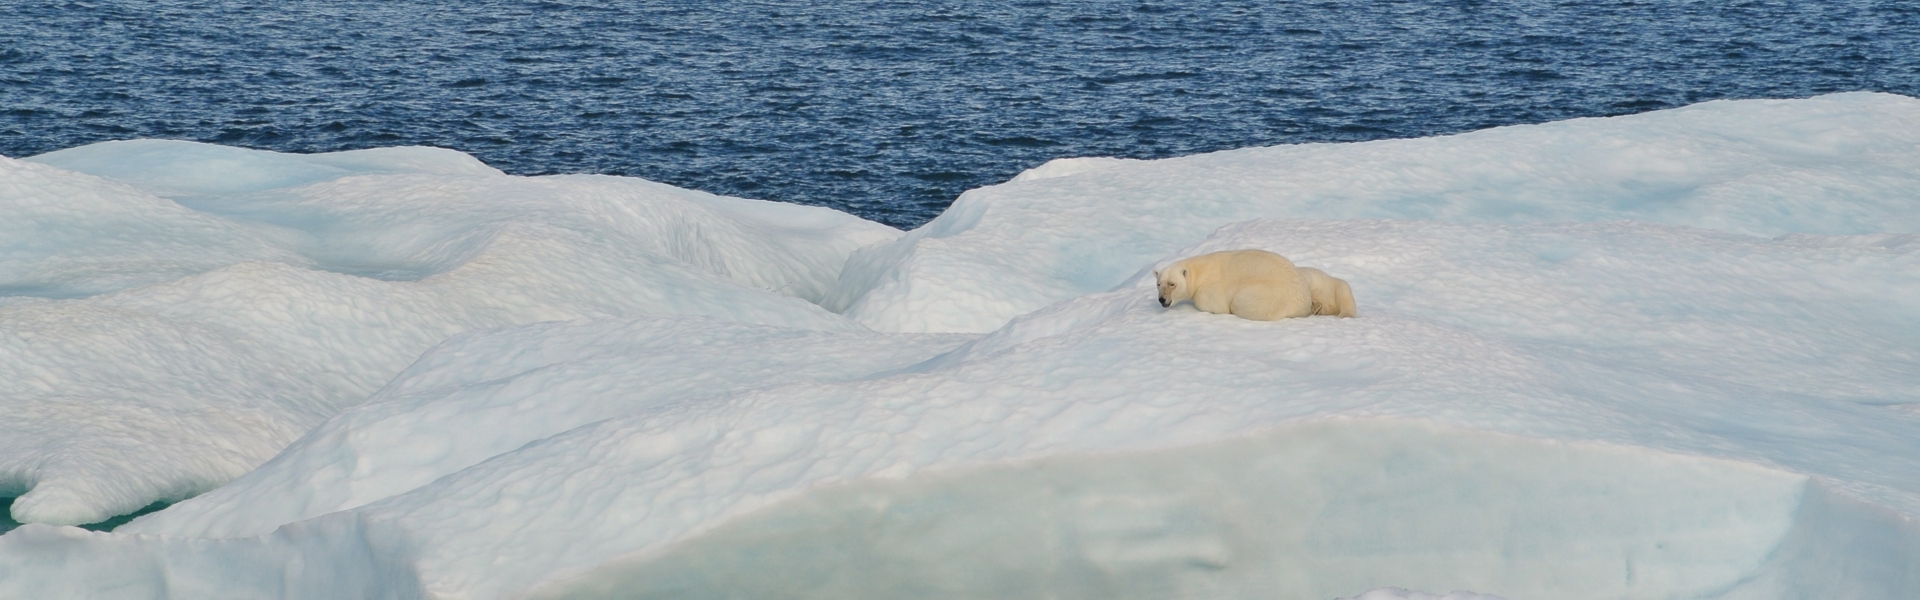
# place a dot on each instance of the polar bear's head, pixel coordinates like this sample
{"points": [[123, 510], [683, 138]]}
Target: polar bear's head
{"points": [[1173, 284]]}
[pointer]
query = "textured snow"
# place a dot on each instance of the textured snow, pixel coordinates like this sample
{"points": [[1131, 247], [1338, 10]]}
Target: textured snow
{"points": [[1501, 343], [67, 234], [282, 305], [1838, 164], [1402, 594], [1572, 377], [518, 386]]}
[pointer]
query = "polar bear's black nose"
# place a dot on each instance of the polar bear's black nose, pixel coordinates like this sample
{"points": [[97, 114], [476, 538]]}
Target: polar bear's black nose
{"points": [[1164, 303]]}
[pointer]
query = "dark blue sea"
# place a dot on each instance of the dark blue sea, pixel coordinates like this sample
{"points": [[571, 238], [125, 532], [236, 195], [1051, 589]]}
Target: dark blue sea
{"points": [[891, 109]]}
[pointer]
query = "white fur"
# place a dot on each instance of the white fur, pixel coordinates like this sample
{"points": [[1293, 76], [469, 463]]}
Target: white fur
{"points": [[1251, 284], [1331, 295]]}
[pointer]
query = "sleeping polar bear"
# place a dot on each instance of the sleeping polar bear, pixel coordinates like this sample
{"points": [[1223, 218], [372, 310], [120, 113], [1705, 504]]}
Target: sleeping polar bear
{"points": [[1253, 284]]}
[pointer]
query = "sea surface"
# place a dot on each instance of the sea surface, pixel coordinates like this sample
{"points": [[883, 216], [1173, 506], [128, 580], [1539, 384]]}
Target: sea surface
{"points": [[890, 110]]}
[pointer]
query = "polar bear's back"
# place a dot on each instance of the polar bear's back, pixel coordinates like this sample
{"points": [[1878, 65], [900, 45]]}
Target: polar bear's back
{"points": [[1254, 284]]}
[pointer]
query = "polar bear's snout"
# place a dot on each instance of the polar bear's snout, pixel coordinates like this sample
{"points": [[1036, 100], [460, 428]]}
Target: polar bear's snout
{"points": [[1167, 284]]}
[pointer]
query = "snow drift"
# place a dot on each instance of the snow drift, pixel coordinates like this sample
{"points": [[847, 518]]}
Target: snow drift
{"points": [[292, 287], [1839, 164], [1565, 383], [482, 395]]}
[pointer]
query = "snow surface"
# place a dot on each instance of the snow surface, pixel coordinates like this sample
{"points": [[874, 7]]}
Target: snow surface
{"points": [[1402, 594], [1838, 164], [1662, 356], [519, 386], [236, 298]]}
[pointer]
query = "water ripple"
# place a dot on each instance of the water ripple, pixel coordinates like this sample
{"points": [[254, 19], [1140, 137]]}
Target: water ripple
{"points": [[890, 109]]}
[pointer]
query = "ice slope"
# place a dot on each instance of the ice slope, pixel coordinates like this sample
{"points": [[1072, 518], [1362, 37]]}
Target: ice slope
{"points": [[1614, 410], [1402, 594], [1837, 164], [184, 311], [481, 395], [66, 234], [405, 213], [1529, 406]]}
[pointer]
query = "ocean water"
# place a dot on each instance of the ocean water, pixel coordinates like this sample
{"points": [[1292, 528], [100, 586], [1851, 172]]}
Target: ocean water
{"points": [[891, 109]]}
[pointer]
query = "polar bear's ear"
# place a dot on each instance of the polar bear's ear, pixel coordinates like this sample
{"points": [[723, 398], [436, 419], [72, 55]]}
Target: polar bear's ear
{"points": [[1183, 271]]}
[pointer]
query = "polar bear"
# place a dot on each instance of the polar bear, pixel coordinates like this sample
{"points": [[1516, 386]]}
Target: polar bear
{"points": [[1331, 295], [1253, 284]]}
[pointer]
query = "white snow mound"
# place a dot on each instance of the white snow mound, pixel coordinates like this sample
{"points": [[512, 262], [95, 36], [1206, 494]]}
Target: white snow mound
{"points": [[1401, 594], [290, 287], [481, 395], [1478, 428], [1838, 164], [67, 234]]}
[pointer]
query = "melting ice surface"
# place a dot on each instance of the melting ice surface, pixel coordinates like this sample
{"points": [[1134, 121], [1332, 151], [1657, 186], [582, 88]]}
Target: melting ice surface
{"points": [[1670, 355]]}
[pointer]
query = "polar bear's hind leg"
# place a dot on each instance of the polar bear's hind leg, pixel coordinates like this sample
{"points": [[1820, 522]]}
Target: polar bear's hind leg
{"points": [[1344, 293]]}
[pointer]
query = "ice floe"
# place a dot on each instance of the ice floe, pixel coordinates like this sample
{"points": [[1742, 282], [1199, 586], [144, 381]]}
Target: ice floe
{"points": [[1661, 356], [282, 305]]}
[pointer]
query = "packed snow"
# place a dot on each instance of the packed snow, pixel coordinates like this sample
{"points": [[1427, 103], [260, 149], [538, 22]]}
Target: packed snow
{"points": [[1841, 164], [316, 280], [1403, 594], [1668, 355], [520, 386]]}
